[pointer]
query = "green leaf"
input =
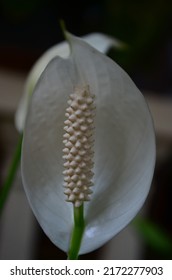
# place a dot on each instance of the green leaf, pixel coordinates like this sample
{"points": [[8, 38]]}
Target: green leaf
{"points": [[154, 235], [5, 189]]}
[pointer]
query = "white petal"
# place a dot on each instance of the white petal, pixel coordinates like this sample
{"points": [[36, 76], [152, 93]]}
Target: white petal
{"points": [[102, 42], [124, 147], [99, 41]]}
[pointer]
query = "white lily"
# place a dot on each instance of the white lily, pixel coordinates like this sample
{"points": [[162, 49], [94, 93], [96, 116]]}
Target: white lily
{"points": [[99, 41], [124, 147]]}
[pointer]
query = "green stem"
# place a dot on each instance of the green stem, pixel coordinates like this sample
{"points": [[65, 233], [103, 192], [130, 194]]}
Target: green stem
{"points": [[11, 174], [77, 232]]}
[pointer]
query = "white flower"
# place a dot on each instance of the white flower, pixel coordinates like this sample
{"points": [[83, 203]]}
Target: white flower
{"points": [[124, 147]]}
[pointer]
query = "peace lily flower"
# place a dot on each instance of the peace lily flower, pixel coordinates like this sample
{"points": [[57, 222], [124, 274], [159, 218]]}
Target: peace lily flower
{"points": [[86, 116], [99, 41]]}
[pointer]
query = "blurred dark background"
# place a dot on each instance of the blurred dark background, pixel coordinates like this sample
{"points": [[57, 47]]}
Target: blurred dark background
{"points": [[28, 28]]}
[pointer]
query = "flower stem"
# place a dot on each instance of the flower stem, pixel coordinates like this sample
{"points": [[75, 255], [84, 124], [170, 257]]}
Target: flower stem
{"points": [[77, 232], [11, 174]]}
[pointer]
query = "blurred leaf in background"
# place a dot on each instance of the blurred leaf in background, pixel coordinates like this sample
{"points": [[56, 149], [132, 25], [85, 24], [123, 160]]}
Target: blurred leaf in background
{"points": [[155, 237]]}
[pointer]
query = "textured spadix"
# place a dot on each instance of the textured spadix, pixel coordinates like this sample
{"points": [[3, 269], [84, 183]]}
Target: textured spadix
{"points": [[78, 141], [124, 148]]}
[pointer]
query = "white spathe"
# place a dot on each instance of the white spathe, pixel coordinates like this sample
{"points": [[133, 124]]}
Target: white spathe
{"points": [[124, 147], [99, 41]]}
